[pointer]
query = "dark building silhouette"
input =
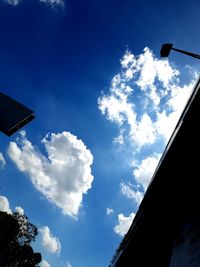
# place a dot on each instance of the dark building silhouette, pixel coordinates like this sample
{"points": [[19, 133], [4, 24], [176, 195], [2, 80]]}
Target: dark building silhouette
{"points": [[166, 229]]}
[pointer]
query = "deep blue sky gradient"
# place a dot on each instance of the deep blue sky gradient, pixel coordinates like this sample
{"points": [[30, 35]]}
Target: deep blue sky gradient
{"points": [[57, 62]]}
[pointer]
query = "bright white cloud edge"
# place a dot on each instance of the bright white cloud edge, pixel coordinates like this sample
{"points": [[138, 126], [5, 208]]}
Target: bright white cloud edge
{"points": [[49, 242], [124, 224]]}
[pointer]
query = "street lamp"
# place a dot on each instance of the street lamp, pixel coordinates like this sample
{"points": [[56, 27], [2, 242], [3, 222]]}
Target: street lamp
{"points": [[166, 48], [13, 115]]}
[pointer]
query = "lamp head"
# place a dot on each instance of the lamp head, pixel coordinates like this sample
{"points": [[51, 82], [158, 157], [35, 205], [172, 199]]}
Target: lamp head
{"points": [[165, 50]]}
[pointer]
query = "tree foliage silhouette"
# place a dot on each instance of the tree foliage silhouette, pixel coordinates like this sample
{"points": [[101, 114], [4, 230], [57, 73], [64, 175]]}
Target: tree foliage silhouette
{"points": [[16, 234]]}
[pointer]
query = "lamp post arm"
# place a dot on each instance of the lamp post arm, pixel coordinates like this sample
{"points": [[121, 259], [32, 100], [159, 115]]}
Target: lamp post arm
{"points": [[186, 53]]}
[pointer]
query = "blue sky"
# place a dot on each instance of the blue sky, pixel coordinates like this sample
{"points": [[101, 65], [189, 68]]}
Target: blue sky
{"points": [[105, 106]]}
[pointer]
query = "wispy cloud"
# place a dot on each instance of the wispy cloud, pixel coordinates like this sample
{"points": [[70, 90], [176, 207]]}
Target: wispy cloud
{"points": [[109, 211], [51, 3], [13, 2], [2, 161], [142, 173], [54, 3], [49, 242], [63, 175], [130, 192], [124, 224]]}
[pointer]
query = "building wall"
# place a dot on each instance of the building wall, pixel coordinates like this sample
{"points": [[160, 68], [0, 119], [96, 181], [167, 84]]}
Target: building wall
{"points": [[186, 249]]}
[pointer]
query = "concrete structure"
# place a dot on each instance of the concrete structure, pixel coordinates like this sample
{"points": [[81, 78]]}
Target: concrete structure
{"points": [[166, 229]]}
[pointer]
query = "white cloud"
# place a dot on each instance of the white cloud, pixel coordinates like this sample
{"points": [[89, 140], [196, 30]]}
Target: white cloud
{"points": [[13, 2], [49, 242], [124, 224], [69, 264], [109, 211], [44, 264], [130, 192], [4, 204], [120, 138], [145, 99], [54, 3], [144, 131], [166, 123], [144, 172], [128, 61], [63, 176], [151, 68], [2, 161], [120, 110]]}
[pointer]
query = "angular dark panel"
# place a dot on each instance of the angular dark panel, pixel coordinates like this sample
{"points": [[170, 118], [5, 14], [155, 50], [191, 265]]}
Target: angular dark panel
{"points": [[13, 115]]}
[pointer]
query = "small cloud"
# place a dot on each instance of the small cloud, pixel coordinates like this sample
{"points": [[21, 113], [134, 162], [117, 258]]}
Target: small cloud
{"points": [[124, 224], [144, 172], [69, 264], [2, 161], [109, 211], [4, 204], [63, 176], [120, 138], [44, 264], [49, 242], [130, 192], [54, 3], [13, 2]]}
